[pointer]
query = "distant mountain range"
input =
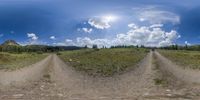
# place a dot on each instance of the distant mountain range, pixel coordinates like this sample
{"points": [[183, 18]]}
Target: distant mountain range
{"points": [[13, 43], [10, 42]]}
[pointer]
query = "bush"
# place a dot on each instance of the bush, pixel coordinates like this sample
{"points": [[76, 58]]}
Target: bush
{"points": [[58, 53], [95, 47], [39, 52]]}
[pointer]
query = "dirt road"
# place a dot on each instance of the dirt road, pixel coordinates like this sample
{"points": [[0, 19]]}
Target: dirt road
{"points": [[186, 75], [24, 75], [62, 82]]}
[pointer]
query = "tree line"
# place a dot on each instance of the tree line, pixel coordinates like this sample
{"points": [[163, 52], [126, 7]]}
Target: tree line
{"points": [[171, 47], [44, 48], [35, 48], [179, 47]]}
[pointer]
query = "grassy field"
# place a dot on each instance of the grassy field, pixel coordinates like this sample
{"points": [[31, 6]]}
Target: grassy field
{"points": [[189, 59], [104, 62], [12, 61]]}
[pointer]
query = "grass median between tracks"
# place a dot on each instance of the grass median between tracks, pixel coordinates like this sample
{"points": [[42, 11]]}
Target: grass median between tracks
{"points": [[104, 62]]}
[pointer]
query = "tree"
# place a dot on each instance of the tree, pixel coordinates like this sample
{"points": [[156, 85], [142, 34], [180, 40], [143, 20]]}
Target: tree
{"points": [[1, 49], [95, 46], [85, 47], [186, 46]]}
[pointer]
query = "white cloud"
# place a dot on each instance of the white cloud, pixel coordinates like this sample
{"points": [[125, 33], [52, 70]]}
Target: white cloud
{"points": [[33, 39], [187, 43], [52, 37], [30, 42], [154, 15], [87, 30], [132, 25], [102, 22], [152, 35], [156, 25], [59, 44], [99, 24], [84, 41], [148, 36], [89, 42], [67, 42], [32, 36]]}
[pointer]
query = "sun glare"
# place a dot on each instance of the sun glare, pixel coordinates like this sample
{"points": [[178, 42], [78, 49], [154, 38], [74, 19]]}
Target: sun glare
{"points": [[110, 18]]}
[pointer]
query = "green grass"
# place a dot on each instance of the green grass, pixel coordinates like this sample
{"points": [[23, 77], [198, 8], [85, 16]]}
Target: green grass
{"points": [[104, 62], [186, 59], [12, 61]]}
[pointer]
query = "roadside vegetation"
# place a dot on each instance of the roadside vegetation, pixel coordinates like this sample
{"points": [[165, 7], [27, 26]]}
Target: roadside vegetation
{"points": [[186, 59], [104, 62], [13, 61]]}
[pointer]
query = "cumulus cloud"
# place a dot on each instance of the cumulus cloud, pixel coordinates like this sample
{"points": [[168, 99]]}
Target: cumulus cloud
{"points": [[87, 30], [52, 37], [132, 25], [187, 43], [154, 15], [90, 42], [156, 25], [33, 39], [32, 36], [23, 43], [59, 44], [67, 42], [149, 36], [99, 23], [152, 35]]}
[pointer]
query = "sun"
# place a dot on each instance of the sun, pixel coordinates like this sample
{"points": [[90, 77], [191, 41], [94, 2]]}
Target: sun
{"points": [[110, 18]]}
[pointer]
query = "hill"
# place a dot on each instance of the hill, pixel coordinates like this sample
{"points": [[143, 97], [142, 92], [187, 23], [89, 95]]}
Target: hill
{"points": [[10, 43]]}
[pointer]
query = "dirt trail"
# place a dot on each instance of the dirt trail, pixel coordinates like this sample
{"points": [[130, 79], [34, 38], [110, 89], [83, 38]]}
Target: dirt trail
{"points": [[133, 84], [186, 75], [61, 82], [24, 75], [184, 82]]}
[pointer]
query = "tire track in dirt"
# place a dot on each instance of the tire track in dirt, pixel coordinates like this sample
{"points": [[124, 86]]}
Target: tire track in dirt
{"points": [[134, 84], [61, 82], [186, 75], [182, 82], [25, 75]]}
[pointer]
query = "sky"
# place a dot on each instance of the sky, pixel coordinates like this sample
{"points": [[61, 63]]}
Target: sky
{"points": [[100, 22]]}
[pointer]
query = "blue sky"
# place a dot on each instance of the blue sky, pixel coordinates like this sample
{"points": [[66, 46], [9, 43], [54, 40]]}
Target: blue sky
{"points": [[101, 22]]}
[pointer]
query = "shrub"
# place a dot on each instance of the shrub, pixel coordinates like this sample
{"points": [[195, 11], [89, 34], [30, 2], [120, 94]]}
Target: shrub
{"points": [[39, 52], [58, 53]]}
